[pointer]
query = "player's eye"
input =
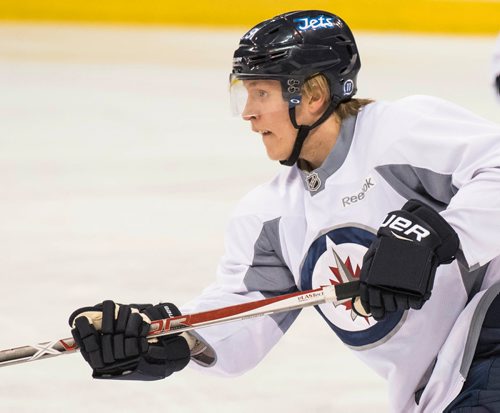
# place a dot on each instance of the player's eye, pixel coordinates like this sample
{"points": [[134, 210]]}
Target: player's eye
{"points": [[262, 93]]}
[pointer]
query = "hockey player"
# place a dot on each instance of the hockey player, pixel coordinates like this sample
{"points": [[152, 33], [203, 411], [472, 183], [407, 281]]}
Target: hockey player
{"points": [[403, 196]]}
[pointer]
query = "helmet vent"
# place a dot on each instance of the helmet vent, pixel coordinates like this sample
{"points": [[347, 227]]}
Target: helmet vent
{"points": [[272, 31], [352, 63], [342, 38], [263, 58], [278, 55]]}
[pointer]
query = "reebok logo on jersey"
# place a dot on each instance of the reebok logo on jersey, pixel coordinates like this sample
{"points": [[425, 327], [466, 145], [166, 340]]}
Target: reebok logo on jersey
{"points": [[349, 200], [405, 226]]}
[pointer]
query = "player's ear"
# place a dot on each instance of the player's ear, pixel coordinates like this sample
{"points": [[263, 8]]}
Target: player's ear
{"points": [[316, 101], [316, 94]]}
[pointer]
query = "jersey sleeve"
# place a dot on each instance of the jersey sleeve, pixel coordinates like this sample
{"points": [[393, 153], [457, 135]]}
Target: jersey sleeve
{"points": [[252, 268], [451, 158]]}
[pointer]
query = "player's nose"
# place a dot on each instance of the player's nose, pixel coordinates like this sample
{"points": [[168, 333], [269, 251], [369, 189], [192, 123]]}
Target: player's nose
{"points": [[249, 112], [249, 116]]}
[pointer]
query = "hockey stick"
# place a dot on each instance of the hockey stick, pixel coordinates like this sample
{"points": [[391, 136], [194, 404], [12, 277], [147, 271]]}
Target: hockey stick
{"points": [[175, 325]]}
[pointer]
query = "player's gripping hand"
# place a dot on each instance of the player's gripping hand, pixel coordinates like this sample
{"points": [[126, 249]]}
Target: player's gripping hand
{"points": [[399, 267], [118, 349]]}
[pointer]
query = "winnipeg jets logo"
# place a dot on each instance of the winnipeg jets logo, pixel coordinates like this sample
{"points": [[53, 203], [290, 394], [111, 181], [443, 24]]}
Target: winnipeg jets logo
{"points": [[343, 272], [318, 22], [335, 257]]}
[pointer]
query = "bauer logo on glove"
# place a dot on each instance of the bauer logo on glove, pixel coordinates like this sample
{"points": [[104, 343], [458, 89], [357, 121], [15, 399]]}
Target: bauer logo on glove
{"points": [[407, 227]]}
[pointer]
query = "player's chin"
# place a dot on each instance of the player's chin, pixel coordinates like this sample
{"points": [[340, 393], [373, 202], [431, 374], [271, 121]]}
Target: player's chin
{"points": [[276, 154], [277, 148], [273, 146]]}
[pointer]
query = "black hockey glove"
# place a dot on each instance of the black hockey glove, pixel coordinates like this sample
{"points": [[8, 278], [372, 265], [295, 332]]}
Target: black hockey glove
{"points": [[399, 267], [119, 350]]}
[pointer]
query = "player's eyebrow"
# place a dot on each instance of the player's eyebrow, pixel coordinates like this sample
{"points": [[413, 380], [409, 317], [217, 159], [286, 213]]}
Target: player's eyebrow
{"points": [[258, 83]]}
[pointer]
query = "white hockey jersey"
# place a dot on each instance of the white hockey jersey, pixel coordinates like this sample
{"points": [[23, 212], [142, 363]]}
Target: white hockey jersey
{"points": [[306, 230]]}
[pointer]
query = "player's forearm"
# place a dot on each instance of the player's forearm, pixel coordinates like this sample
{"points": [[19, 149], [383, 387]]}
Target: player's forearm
{"points": [[240, 346]]}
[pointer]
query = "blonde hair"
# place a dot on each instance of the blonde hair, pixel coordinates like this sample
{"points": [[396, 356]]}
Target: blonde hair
{"points": [[318, 86]]}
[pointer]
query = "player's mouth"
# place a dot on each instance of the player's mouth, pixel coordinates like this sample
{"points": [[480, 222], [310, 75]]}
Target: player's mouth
{"points": [[264, 132], [261, 131]]}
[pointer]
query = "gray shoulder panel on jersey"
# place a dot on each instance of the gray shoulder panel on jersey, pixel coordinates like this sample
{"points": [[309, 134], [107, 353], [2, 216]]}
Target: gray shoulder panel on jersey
{"points": [[433, 188], [269, 273], [472, 277], [411, 182], [314, 181]]}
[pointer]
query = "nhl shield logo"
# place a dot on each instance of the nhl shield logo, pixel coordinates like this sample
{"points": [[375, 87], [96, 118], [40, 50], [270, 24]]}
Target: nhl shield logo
{"points": [[313, 181]]}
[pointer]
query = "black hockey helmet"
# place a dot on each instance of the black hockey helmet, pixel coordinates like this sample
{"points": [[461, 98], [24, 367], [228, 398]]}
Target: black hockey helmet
{"points": [[294, 47]]}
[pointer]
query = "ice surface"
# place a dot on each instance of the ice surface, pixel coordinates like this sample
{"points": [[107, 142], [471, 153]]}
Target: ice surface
{"points": [[119, 166]]}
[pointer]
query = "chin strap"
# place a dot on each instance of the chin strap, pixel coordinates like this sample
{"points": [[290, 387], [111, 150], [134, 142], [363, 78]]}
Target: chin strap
{"points": [[303, 131]]}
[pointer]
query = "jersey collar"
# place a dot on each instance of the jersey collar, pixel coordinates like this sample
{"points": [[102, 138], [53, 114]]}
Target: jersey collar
{"points": [[314, 181]]}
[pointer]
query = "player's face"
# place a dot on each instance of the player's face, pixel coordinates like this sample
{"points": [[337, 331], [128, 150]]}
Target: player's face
{"points": [[267, 111]]}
